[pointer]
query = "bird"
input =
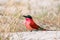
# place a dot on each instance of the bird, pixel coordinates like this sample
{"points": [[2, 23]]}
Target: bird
{"points": [[31, 25]]}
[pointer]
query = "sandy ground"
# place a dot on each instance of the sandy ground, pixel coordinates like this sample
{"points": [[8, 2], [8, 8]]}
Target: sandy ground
{"points": [[35, 35]]}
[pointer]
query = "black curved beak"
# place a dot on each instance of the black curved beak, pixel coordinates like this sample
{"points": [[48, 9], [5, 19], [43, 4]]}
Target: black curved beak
{"points": [[24, 16]]}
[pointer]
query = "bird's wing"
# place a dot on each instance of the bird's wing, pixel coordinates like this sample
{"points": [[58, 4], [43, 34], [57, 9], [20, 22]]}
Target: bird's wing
{"points": [[35, 26]]}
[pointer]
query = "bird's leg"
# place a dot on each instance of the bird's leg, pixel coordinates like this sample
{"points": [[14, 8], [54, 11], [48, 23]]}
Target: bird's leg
{"points": [[30, 30], [35, 30]]}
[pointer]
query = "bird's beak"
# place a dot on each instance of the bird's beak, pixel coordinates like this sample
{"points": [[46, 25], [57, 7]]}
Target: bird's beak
{"points": [[24, 16]]}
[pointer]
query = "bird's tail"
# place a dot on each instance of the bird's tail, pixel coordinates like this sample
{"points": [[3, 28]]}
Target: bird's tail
{"points": [[42, 29]]}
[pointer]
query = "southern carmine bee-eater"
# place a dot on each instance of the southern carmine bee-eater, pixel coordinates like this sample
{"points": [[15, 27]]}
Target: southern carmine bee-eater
{"points": [[31, 25]]}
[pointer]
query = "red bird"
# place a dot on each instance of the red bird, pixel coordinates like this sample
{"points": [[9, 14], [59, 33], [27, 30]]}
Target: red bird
{"points": [[30, 24]]}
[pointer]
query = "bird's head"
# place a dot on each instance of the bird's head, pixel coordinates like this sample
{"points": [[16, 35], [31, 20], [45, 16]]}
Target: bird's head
{"points": [[28, 16]]}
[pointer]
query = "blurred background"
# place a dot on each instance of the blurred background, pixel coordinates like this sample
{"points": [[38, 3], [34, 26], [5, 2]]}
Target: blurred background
{"points": [[45, 13]]}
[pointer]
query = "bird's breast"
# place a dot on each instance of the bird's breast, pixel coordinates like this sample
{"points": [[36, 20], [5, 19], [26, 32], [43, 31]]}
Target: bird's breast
{"points": [[27, 24]]}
